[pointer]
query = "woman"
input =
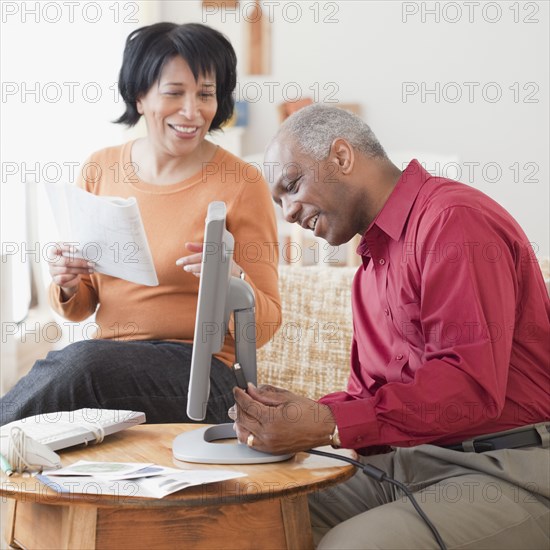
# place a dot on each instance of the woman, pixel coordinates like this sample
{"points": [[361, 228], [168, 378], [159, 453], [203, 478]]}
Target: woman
{"points": [[180, 78]]}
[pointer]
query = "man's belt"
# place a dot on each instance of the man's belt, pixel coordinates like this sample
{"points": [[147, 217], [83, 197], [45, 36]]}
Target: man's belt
{"points": [[526, 436]]}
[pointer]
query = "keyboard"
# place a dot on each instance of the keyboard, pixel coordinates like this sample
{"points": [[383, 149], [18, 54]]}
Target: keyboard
{"points": [[60, 430]]}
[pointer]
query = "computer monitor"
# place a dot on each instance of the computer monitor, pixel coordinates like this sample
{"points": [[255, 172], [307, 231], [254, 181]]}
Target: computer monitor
{"points": [[220, 295]]}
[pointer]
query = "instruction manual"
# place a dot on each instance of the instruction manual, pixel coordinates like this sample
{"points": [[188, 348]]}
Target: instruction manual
{"points": [[105, 230]]}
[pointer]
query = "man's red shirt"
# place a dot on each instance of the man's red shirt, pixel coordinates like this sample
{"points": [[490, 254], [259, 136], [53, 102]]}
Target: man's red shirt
{"points": [[451, 321]]}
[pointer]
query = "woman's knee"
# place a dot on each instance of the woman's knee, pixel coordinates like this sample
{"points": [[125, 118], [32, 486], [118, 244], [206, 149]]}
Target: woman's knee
{"points": [[84, 358]]}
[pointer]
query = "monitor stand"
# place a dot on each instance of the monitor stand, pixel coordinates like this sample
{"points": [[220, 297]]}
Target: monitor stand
{"points": [[197, 446]]}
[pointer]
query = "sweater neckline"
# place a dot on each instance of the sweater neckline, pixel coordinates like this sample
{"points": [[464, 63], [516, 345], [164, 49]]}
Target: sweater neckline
{"points": [[135, 182]]}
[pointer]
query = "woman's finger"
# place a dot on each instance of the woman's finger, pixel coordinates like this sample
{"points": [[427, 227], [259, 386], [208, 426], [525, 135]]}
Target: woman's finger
{"points": [[70, 268], [194, 246]]}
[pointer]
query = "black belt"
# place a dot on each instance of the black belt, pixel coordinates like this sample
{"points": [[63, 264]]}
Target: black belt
{"points": [[512, 439]]}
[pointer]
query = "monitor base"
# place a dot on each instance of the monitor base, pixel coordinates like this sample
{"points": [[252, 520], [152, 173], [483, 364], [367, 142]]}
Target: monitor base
{"points": [[196, 446]]}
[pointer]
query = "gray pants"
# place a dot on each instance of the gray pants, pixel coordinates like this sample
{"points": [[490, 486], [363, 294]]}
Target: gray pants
{"points": [[493, 500], [148, 376]]}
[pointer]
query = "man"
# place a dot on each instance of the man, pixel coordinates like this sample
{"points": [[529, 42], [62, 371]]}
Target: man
{"points": [[451, 332]]}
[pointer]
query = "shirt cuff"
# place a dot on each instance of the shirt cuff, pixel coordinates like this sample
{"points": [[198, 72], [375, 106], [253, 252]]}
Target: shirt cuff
{"points": [[357, 423]]}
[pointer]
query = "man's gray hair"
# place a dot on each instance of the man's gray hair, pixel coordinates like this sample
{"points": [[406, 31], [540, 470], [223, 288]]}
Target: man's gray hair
{"points": [[315, 127]]}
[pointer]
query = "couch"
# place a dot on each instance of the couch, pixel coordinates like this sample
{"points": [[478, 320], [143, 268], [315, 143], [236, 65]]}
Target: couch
{"points": [[310, 353]]}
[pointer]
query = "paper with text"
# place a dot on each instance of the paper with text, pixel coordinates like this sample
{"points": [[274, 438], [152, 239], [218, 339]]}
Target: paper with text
{"points": [[105, 230], [157, 486]]}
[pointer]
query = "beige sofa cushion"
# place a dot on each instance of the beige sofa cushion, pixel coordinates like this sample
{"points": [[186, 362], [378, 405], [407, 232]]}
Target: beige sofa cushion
{"points": [[310, 352]]}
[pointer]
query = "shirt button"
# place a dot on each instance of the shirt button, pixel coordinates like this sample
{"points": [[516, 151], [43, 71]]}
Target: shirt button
{"points": [[381, 261], [399, 357], [387, 311]]}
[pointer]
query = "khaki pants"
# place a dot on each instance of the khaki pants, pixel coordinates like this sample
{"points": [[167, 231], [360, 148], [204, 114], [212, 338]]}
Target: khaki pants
{"points": [[498, 499]]}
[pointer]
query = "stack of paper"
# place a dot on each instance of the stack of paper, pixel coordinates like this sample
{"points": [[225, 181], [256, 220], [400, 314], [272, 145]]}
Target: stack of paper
{"points": [[105, 230], [136, 479]]}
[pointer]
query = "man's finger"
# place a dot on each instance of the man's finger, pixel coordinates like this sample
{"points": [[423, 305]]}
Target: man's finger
{"points": [[270, 388], [252, 409], [268, 395], [242, 433]]}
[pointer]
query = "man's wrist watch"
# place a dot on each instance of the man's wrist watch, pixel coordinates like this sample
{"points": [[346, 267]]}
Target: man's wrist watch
{"points": [[334, 438]]}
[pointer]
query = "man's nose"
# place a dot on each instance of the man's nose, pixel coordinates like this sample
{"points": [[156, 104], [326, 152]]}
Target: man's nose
{"points": [[290, 210]]}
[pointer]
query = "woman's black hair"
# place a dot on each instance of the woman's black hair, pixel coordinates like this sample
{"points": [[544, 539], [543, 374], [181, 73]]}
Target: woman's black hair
{"points": [[206, 51]]}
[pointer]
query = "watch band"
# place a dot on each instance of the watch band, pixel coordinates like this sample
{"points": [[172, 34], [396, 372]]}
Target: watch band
{"points": [[334, 439]]}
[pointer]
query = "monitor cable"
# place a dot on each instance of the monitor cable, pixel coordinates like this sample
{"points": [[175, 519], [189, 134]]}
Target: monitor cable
{"points": [[380, 476]]}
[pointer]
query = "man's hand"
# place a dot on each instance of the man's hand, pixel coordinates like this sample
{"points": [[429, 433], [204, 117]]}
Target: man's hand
{"points": [[280, 421]]}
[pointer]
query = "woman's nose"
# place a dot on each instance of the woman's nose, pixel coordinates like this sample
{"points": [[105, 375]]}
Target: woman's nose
{"points": [[188, 107]]}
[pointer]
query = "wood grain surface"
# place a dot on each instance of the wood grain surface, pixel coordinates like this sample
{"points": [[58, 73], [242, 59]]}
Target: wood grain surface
{"points": [[266, 509]]}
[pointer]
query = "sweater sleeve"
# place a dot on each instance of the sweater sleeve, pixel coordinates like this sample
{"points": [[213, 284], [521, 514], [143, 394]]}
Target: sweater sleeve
{"points": [[84, 303], [80, 306], [251, 220]]}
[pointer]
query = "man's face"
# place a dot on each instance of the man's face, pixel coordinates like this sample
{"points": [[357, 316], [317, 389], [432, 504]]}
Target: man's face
{"points": [[311, 193]]}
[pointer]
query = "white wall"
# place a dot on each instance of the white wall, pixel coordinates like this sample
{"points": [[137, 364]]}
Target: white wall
{"points": [[351, 51], [60, 63], [366, 52]]}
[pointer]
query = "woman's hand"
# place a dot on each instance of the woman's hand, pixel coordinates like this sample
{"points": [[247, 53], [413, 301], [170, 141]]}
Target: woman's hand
{"points": [[66, 270], [193, 262]]}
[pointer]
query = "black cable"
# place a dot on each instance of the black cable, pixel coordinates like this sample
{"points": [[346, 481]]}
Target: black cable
{"points": [[380, 476]]}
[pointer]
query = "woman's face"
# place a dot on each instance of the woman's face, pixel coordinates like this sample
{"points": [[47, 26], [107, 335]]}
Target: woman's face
{"points": [[178, 109]]}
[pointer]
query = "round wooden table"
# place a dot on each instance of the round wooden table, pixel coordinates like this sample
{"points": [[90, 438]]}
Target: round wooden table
{"points": [[266, 509]]}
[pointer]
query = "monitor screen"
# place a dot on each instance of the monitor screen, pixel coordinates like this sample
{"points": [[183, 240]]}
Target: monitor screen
{"points": [[220, 295], [212, 318]]}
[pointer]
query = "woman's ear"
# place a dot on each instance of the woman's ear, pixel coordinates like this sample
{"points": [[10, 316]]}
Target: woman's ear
{"points": [[139, 106], [342, 154]]}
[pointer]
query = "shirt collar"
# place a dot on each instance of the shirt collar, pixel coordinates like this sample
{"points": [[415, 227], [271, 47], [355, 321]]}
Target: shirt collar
{"points": [[393, 216]]}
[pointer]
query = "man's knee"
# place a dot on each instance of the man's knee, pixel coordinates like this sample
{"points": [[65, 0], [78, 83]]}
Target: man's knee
{"points": [[378, 529], [346, 536]]}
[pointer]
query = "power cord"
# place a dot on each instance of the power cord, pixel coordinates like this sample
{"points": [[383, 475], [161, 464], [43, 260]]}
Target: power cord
{"points": [[21, 453], [380, 476]]}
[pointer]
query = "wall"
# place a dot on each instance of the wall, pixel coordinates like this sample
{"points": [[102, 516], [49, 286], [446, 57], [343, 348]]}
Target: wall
{"points": [[387, 56], [60, 62], [346, 51]]}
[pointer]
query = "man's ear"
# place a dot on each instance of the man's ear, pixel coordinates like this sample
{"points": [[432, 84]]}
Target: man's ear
{"points": [[342, 154]]}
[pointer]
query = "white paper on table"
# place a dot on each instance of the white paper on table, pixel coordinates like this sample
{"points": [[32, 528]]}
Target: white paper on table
{"points": [[109, 470], [151, 487], [105, 230]]}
